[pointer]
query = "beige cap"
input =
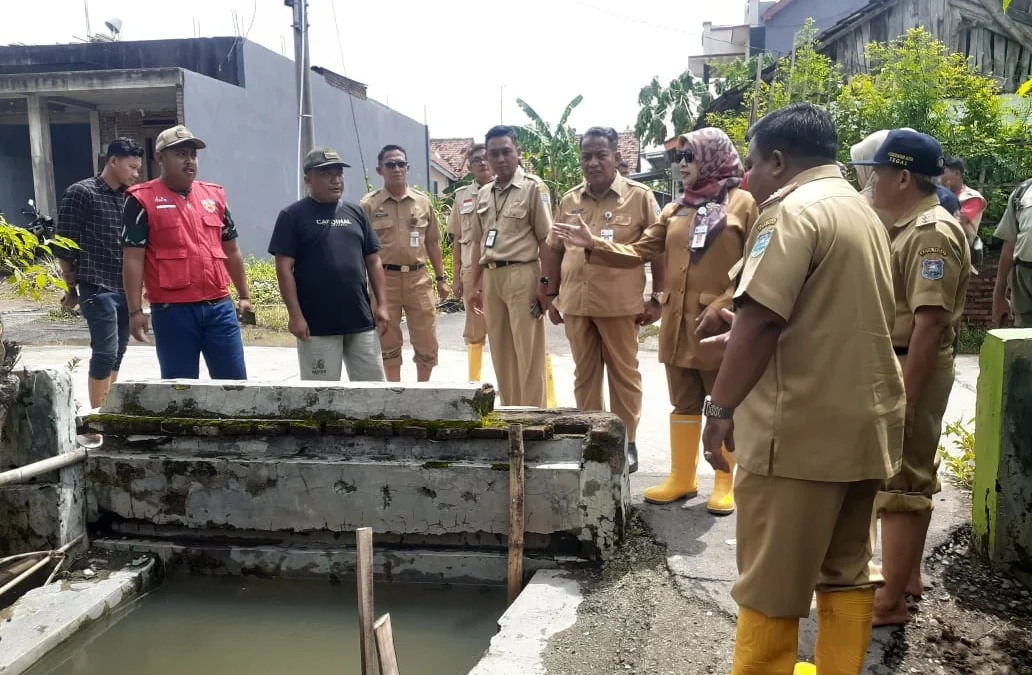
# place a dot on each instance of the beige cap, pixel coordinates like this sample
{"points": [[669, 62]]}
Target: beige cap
{"points": [[178, 135]]}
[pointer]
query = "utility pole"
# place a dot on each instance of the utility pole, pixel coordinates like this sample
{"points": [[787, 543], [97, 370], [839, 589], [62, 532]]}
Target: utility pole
{"points": [[303, 64], [756, 89]]}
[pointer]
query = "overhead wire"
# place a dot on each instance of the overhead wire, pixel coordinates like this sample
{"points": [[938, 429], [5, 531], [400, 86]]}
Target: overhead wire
{"points": [[351, 97]]}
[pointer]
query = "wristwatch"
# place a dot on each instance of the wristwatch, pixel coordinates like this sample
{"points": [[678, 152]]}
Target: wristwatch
{"points": [[441, 278], [717, 412]]}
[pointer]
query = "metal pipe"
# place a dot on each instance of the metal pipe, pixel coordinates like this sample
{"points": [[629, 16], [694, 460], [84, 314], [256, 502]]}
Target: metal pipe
{"points": [[25, 473], [41, 564]]}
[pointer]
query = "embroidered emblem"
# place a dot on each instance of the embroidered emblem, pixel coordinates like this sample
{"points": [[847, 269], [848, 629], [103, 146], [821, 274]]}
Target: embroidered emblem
{"points": [[932, 270], [926, 218], [762, 242], [933, 249], [467, 205], [209, 205], [767, 223]]}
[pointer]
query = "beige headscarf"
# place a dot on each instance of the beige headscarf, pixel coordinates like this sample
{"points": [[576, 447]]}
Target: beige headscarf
{"points": [[864, 152]]}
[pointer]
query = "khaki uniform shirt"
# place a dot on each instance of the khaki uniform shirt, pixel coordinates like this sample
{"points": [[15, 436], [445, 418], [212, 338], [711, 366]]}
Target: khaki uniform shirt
{"points": [[1016, 224], [830, 404], [690, 287], [461, 225], [626, 211], [931, 265], [519, 214], [404, 226]]}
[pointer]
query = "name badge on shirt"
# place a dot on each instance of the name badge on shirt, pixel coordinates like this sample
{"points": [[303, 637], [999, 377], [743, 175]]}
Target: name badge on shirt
{"points": [[699, 236], [492, 235], [413, 240], [607, 235]]}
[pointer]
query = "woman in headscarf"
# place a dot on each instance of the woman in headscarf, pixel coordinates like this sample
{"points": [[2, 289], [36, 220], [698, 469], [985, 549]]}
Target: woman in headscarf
{"points": [[702, 236]]}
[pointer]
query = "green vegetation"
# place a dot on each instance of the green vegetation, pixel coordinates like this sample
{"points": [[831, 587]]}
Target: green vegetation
{"points": [[19, 265], [970, 339], [551, 152], [960, 464]]}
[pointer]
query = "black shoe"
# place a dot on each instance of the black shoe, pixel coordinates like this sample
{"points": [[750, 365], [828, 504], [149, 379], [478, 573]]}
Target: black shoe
{"points": [[632, 458]]}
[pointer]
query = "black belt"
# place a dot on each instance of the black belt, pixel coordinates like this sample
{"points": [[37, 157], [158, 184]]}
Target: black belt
{"points": [[404, 268], [495, 264], [900, 351], [1023, 263]]}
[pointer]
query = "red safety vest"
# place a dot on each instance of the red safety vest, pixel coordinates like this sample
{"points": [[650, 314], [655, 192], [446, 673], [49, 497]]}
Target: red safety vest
{"points": [[184, 260]]}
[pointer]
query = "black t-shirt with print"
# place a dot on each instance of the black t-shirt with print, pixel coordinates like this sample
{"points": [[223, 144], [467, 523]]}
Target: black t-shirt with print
{"points": [[329, 244]]}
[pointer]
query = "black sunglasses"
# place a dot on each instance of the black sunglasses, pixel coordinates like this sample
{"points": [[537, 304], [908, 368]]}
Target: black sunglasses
{"points": [[684, 156], [395, 165]]}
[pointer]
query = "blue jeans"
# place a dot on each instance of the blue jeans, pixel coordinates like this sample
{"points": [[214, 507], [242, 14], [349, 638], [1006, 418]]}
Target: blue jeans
{"points": [[107, 316], [184, 331]]}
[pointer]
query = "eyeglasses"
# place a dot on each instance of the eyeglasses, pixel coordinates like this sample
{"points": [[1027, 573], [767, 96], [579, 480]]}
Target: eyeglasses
{"points": [[686, 156], [395, 165]]}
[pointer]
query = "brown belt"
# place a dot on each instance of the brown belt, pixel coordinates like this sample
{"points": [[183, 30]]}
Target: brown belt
{"points": [[495, 264], [1023, 263], [404, 268]]}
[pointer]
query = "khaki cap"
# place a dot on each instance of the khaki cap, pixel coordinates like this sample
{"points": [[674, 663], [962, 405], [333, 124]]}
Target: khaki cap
{"points": [[178, 135], [318, 158]]}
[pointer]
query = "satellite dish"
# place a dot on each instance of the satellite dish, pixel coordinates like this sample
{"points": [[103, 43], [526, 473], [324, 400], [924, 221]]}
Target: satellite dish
{"points": [[114, 25]]}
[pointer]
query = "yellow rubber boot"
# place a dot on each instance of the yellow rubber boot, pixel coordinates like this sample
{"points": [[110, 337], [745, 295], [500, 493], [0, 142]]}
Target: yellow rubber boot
{"points": [[549, 382], [476, 360], [765, 646], [722, 502], [685, 432], [805, 669], [843, 631]]}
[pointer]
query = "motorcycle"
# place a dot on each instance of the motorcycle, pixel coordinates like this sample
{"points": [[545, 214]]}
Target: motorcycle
{"points": [[41, 226]]}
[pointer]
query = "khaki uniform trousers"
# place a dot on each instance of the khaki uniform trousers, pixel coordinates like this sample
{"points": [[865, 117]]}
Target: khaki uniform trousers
{"points": [[689, 388], [918, 479], [412, 293], [609, 343], [1021, 294], [797, 536], [517, 339], [475, 330]]}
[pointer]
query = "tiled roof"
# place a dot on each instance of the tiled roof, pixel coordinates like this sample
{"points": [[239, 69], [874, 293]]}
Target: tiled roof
{"points": [[629, 148], [451, 153]]}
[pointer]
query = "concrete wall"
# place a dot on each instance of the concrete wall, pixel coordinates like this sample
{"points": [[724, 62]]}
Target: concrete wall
{"points": [[782, 27], [253, 138], [49, 511], [71, 152], [1002, 494], [15, 171]]}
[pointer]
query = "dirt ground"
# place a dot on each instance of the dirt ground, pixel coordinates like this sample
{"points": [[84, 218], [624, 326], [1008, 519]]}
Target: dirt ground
{"points": [[633, 619]]}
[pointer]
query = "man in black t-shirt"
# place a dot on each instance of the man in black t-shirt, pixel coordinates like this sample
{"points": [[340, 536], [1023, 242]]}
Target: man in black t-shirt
{"points": [[324, 249]]}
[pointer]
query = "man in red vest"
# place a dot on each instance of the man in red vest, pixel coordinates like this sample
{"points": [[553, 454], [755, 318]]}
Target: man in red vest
{"points": [[180, 242]]}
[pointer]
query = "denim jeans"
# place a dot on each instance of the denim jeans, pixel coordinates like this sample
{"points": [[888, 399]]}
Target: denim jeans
{"points": [[107, 316], [184, 331]]}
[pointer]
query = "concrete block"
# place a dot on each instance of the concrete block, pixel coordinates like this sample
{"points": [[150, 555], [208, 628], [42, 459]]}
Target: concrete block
{"points": [[1002, 493], [333, 563], [29, 518], [45, 617], [548, 605], [41, 423], [299, 400]]}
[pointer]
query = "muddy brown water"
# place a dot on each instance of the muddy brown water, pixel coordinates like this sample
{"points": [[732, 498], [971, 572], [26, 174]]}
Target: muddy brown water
{"points": [[246, 626]]}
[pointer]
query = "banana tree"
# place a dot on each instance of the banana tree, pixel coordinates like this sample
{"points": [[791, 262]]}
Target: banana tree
{"points": [[552, 153]]}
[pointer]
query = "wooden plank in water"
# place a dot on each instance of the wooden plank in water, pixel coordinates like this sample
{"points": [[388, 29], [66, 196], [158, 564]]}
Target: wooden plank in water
{"points": [[517, 519], [366, 609], [385, 646]]}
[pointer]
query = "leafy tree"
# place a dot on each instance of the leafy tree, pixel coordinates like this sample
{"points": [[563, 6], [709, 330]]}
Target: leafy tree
{"points": [[551, 153], [915, 82], [680, 102]]}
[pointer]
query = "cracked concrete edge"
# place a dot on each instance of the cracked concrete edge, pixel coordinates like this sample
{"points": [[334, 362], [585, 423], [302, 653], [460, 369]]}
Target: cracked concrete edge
{"points": [[47, 616], [548, 605]]}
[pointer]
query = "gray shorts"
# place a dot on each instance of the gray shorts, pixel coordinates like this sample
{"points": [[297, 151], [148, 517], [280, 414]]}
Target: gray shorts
{"points": [[321, 357], [1021, 295]]}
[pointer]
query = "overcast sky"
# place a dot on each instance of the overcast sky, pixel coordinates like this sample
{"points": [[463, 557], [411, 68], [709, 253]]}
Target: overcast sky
{"points": [[452, 56]]}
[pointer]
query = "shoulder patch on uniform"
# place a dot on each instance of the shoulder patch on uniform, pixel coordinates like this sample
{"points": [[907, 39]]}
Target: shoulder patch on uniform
{"points": [[766, 223], [780, 194], [933, 249], [933, 269], [926, 218], [542, 187], [762, 242]]}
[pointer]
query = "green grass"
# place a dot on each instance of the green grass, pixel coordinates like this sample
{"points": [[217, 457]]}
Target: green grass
{"points": [[970, 339], [960, 463]]}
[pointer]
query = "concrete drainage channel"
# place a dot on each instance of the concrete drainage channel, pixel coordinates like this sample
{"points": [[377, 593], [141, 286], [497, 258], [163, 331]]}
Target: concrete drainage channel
{"points": [[263, 481]]}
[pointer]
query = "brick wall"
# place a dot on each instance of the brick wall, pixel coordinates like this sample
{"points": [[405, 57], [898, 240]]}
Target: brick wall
{"points": [[979, 308], [130, 124]]}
